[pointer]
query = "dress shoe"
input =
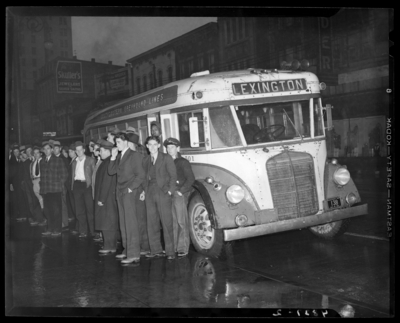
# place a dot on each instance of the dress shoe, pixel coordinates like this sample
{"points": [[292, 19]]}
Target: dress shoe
{"points": [[130, 261], [74, 232], [182, 254], [82, 235], [43, 223], [20, 219], [153, 255], [56, 234], [70, 219], [107, 251], [46, 234], [171, 257], [120, 256], [97, 237], [144, 253], [34, 223], [66, 228]]}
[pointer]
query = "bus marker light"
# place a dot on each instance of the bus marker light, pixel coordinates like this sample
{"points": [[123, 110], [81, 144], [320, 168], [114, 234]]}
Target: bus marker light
{"points": [[199, 95], [241, 220], [334, 161], [209, 180], [217, 186]]}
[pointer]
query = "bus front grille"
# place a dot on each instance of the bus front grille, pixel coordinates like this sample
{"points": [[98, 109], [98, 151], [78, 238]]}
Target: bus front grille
{"points": [[292, 182]]}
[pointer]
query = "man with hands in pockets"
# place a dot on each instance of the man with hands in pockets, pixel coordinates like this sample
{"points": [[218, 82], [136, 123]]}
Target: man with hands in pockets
{"points": [[130, 175]]}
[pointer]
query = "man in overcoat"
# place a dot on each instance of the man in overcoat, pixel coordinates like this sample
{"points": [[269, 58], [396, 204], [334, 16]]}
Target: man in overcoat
{"points": [[105, 203], [130, 175], [159, 187]]}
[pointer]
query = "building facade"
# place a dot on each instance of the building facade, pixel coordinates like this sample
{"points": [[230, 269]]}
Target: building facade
{"points": [[237, 43], [36, 40], [63, 108]]}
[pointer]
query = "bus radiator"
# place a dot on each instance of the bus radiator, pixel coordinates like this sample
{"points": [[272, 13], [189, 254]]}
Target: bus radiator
{"points": [[292, 182]]}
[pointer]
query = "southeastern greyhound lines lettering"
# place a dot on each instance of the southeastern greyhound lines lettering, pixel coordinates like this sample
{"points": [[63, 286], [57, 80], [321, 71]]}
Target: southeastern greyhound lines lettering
{"points": [[269, 87]]}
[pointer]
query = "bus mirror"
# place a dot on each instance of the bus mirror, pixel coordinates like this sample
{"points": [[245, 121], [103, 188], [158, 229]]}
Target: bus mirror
{"points": [[194, 132], [329, 124]]}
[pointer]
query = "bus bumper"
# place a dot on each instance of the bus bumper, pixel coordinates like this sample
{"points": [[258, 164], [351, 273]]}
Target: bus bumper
{"points": [[293, 224]]}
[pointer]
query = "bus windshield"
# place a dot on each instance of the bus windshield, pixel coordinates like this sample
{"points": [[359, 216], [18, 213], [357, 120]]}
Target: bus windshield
{"points": [[270, 122]]}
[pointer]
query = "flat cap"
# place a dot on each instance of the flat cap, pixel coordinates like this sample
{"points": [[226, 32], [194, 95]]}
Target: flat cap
{"points": [[56, 143], [28, 146], [50, 143], [65, 148], [72, 147], [106, 144], [22, 148], [113, 130], [132, 137], [171, 141], [36, 147], [79, 143], [15, 147]]}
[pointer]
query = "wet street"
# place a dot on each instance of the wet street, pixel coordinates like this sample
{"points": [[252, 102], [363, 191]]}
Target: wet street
{"points": [[60, 275]]}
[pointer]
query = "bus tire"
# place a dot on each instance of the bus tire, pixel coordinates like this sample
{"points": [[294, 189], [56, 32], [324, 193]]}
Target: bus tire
{"points": [[331, 230], [205, 239]]}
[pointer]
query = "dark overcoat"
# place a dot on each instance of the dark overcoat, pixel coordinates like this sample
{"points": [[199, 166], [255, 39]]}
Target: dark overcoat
{"points": [[106, 216]]}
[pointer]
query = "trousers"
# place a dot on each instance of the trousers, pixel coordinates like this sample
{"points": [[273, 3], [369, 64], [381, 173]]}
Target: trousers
{"points": [[52, 211], [36, 190], [142, 219], [110, 240], [159, 206], [180, 223], [36, 211], [83, 207], [64, 210], [129, 224]]}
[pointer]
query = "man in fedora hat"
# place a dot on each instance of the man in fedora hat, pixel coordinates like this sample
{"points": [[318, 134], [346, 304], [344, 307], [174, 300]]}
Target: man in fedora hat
{"points": [[64, 209], [111, 134], [53, 175]]}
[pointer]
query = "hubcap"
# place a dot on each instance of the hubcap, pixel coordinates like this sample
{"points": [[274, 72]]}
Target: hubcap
{"points": [[202, 230]]}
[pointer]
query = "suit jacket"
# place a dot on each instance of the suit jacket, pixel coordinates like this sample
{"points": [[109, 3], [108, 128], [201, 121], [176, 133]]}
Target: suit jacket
{"points": [[129, 171], [106, 216], [184, 173], [88, 168], [53, 175], [165, 172], [13, 169]]}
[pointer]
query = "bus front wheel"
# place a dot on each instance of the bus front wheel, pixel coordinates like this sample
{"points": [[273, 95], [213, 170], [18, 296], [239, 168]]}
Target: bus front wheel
{"points": [[331, 230], [205, 239]]}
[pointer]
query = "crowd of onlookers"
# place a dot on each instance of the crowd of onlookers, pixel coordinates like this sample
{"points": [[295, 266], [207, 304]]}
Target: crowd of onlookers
{"points": [[111, 190]]}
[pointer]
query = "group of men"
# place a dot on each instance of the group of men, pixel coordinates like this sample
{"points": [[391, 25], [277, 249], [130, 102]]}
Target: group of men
{"points": [[116, 191]]}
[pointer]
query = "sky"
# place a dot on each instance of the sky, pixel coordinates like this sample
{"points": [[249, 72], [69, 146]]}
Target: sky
{"points": [[117, 39]]}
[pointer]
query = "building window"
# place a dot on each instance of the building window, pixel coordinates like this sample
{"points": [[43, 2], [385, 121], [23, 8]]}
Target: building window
{"points": [[170, 77], [144, 83], [183, 70], [160, 77], [190, 65], [61, 43], [138, 84], [151, 80], [228, 31], [33, 37], [33, 50], [33, 62], [211, 60], [234, 31], [240, 28], [200, 61]]}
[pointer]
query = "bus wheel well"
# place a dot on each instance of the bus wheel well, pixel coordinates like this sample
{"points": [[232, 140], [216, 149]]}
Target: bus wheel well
{"points": [[200, 189]]}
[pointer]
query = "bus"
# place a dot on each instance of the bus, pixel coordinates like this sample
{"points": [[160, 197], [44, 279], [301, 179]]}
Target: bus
{"points": [[256, 141]]}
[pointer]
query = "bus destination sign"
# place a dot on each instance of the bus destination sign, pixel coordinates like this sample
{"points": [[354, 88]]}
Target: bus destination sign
{"points": [[156, 99], [250, 88]]}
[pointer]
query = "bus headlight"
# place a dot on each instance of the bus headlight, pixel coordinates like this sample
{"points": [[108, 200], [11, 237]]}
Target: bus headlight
{"points": [[341, 176], [351, 199], [235, 194], [241, 220]]}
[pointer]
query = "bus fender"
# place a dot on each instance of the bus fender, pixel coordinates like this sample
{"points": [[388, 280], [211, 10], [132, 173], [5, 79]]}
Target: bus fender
{"points": [[205, 195]]}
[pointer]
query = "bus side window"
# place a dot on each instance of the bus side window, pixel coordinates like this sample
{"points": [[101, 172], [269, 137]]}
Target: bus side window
{"points": [[223, 128], [183, 124]]}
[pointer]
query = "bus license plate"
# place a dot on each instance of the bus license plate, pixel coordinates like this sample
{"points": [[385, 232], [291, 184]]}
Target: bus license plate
{"points": [[334, 203]]}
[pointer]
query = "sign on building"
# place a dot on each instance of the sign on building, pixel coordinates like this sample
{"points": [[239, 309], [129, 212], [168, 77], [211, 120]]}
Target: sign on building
{"points": [[110, 84], [69, 77]]}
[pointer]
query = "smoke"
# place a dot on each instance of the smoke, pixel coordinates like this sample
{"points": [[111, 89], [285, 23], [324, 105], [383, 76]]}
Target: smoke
{"points": [[109, 46]]}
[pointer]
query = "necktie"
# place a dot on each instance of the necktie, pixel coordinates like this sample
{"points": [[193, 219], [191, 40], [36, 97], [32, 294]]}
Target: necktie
{"points": [[37, 169], [152, 160]]}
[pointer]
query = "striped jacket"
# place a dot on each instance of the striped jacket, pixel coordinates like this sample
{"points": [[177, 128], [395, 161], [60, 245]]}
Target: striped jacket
{"points": [[53, 175]]}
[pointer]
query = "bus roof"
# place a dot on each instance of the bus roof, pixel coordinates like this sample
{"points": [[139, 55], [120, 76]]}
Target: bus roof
{"points": [[216, 87]]}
